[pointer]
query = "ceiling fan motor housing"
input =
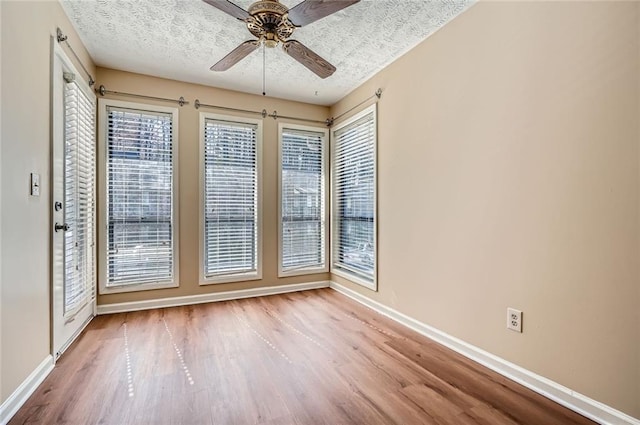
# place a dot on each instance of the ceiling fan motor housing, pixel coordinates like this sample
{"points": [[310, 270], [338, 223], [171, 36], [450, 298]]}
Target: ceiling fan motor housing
{"points": [[269, 22]]}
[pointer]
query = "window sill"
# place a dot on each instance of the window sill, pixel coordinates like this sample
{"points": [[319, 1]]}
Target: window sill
{"points": [[105, 290], [352, 277], [230, 278], [303, 271]]}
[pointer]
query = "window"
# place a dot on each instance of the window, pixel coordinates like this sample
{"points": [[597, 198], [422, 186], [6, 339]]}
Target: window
{"points": [[302, 200], [230, 203], [79, 198], [354, 198], [140, 213]]}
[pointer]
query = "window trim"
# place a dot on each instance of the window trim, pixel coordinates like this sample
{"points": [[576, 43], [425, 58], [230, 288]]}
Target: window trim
{"points": [[103, 240], [325, 200], [338, 271], [231, 277]]}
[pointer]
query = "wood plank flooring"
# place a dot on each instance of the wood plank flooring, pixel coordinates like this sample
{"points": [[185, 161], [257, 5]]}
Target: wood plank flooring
{"points": [[313, 357]]}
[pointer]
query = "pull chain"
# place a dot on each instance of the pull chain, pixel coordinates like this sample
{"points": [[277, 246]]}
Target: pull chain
{"points": [[264, 93]]}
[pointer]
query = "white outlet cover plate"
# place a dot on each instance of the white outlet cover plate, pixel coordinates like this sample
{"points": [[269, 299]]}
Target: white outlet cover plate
{"points": [[514, 319]]}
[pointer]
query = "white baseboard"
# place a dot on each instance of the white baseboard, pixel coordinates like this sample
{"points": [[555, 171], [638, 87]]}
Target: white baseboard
{"points": [[208, 298], [24, 391], [562, 395]]}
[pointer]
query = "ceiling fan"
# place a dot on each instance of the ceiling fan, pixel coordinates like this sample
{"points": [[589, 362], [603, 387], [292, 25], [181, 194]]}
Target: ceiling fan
{"points": [[273, 23]]}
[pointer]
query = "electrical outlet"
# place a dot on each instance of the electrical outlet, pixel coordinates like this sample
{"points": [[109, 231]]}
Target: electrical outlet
{"points": [[514, 319]]}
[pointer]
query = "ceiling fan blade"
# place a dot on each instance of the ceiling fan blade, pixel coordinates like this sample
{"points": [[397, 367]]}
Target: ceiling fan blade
{"points": [[308, 58], [230, 8], [236, 55], [311, 10]]}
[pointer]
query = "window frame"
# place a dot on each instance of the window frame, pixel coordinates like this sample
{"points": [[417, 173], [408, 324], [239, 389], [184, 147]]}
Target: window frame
{"points": [[334, 268], [103, 239], [325, 200], [230, 277]]}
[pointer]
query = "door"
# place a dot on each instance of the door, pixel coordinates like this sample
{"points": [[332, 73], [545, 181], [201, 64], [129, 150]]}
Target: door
{"points": [[73, 202]]}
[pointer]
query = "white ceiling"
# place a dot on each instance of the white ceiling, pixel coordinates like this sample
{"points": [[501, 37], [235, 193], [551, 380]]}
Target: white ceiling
{"points": [[180, 40]]}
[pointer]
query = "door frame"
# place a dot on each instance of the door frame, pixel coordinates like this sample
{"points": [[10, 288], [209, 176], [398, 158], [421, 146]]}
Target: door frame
{"points": [[61, 336]]}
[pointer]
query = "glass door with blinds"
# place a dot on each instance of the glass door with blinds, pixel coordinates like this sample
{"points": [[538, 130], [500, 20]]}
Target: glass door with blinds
{"points": [[74, 205], [139, 217]]}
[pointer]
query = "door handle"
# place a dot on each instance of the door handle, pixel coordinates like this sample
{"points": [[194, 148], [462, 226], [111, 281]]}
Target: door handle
{"points": [[64, 227]]}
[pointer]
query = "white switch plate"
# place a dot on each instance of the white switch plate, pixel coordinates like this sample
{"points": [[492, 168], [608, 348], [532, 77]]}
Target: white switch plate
{"points": [[514, 319], [35, 184]]}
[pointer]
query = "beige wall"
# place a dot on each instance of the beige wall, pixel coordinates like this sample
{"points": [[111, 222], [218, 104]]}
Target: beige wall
{"points": [[638, 286], [508, 176], [25, 221], [188, 177]]}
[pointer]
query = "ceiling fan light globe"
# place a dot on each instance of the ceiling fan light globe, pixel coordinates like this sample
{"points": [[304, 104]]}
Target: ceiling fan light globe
{"points": [[270, 43]]}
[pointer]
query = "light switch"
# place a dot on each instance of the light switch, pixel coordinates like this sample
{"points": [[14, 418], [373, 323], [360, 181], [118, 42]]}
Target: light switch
{"points": [[35, 184]]}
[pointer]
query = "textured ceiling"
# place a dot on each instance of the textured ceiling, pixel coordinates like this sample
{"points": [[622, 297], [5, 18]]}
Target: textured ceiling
{"points": [[180, 40]]}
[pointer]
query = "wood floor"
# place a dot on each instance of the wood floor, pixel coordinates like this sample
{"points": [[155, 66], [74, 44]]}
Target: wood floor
{"points": [[313, 357]]}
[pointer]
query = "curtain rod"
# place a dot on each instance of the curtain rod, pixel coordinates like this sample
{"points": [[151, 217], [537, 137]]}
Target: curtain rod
{"points": [[262, 113], [275, 116], [197, 104], [102, 90], [377, 94], [63, 38]]}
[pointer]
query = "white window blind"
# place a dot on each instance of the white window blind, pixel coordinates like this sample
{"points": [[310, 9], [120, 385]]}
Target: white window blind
{"points": [[302, 197], [230, 198], [140, 198], [354, 186], [79, 193]]}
